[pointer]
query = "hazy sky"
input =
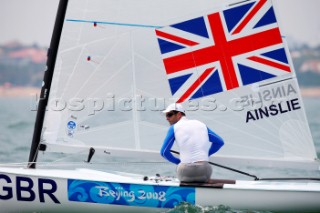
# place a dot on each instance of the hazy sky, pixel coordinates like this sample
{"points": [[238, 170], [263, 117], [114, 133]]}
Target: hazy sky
{"points": [[31, 21]]}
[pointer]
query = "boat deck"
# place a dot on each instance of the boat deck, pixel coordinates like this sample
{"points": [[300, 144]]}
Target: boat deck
{"points": [[212, 183]]}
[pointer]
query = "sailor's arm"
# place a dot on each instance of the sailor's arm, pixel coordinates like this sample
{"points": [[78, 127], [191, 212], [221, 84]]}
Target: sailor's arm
{"points": [[216, 141], [166, 147]]}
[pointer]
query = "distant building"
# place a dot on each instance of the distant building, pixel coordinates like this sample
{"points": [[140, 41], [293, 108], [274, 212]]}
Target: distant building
{"points": [[311, 66], [295, 54], [35, 55]]}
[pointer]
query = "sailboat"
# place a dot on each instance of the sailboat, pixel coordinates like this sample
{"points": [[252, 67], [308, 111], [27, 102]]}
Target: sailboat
{"points": [[113, 66]]}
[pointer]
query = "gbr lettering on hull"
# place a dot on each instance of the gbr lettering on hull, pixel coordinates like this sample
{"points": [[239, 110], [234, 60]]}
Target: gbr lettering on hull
{"points": [[26, 189]]}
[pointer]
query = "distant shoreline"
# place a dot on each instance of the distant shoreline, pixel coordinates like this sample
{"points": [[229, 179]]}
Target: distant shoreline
{"points": [[32, 91], [19, 91], [311, 92]]}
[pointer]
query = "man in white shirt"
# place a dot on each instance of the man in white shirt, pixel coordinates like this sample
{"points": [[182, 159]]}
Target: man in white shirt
{"points": [[196, 143]]}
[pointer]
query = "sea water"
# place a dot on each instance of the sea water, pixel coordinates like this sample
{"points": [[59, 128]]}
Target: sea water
{"points": [[17, 117]]}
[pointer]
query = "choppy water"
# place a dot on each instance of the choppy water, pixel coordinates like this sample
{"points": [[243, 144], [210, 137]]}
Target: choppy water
{"points": [[16, 128]]}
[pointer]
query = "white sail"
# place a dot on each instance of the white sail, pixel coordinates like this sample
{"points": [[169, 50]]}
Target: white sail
{"points": [[114, 75]]}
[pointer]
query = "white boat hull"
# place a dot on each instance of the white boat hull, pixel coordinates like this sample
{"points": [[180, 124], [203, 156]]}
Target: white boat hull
{"points": [[27, 190]]}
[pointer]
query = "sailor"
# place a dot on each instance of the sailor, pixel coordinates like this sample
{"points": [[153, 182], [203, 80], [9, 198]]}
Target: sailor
{"points": [[195, 141]]}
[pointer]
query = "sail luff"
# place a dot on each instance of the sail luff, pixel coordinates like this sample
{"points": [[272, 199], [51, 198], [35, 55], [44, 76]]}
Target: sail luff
{"points": [[45, 90]]}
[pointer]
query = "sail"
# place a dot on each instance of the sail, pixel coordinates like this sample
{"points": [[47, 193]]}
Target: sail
{"points": [[119, 63]]}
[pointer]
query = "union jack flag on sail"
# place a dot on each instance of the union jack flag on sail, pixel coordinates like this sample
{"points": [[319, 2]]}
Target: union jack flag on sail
{"points": [[238, 46]]}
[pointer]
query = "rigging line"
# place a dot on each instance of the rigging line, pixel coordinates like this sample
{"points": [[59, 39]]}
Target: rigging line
{"points": [[113, 23], [225, 167]]}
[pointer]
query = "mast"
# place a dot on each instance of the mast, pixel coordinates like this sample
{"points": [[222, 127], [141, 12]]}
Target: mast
{"points": [[45, 90]]}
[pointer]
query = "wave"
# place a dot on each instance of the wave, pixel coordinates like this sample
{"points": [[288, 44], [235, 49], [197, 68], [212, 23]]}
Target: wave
{"points": [[19, 125], [187, 207]]}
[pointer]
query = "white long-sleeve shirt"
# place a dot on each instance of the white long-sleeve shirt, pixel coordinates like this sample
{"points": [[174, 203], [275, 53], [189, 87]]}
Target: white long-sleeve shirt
{"points": [[193, 139]]}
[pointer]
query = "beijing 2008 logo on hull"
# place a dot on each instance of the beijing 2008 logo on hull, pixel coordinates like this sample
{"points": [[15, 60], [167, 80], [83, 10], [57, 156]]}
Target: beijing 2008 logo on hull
{"points": [[129, 194]]}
